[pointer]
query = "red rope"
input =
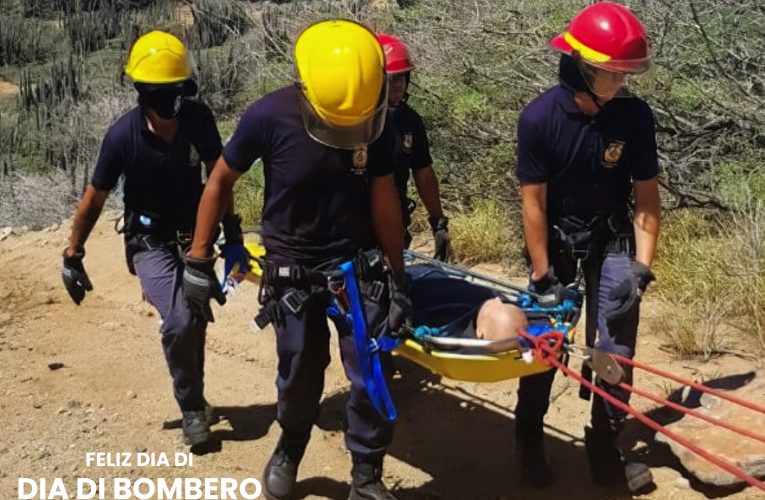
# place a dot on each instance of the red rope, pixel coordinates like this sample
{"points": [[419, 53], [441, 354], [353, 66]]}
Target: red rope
{"points": [[680, 380], [694, 413], [544, 353]]}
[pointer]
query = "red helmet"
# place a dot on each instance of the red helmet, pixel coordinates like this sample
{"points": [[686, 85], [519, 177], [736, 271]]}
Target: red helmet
{"points": [[396, 55], [606, 35]]}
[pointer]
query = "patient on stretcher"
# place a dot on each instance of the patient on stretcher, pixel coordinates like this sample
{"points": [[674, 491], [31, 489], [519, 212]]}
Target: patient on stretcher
{"points": [[452, 307]]}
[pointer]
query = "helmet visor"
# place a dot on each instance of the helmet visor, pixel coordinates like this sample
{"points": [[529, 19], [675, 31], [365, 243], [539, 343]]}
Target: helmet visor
{"points": [[344, 137], [608, 84]]}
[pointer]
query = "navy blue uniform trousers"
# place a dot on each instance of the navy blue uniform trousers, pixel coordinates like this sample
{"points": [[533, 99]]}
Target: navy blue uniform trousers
{"points": [[302, 343], [160, 270], [601, 276]]}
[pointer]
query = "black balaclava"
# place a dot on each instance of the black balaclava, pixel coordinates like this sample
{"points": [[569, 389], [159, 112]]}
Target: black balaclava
{"points": [[165, 100], [408, 75], [570, 75]]}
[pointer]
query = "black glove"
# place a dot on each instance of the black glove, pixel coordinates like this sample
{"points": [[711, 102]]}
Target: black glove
{"points": [[551, 292], [75, 278], [400, 307], [440, 228], [630, 291], [199, 286]]}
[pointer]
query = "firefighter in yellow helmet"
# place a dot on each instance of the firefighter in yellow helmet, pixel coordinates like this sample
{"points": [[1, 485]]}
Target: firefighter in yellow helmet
{"points": [[329, 197], [158, 147]]}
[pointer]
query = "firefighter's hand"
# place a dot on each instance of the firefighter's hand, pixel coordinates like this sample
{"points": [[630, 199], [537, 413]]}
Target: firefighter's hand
{"points": [[551, 292], [199, 286], [400, 307], [443, 242], [75, 278], [629, 292]]}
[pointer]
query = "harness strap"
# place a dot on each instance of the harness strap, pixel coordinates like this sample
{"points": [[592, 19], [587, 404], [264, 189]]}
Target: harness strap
{"points": [[300, 283]]}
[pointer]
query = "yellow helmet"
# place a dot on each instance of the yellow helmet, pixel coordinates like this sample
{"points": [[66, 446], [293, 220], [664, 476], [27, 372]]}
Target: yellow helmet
{"points": [[158, 57], [340, 67]]}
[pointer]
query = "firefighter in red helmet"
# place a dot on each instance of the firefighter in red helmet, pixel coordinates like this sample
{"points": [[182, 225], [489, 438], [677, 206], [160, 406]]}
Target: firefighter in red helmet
{"points": [[588, 166], [412, 152]]}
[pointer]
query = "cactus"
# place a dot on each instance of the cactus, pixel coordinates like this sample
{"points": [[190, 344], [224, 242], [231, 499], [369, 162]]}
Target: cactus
{"points": [[89, 31], [24, 41], [61, 85]]}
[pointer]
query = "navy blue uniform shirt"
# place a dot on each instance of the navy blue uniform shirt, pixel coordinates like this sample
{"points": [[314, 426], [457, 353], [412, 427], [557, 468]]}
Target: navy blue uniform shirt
{"points": [[587, 162], [317, 199], [412, 151], [163, 181]]}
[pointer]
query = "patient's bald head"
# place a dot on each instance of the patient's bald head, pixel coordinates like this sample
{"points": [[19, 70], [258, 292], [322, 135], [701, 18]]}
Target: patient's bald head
{"points": [[497, 320]]}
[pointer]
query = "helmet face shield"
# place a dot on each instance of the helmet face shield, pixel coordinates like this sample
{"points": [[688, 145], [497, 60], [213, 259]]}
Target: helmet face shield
{"points": [[344, 137], [340, 70], [608, 84]]}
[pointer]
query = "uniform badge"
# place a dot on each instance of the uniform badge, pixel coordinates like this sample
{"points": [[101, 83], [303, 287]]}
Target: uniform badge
{"points": [[408, 141], [359, 159], [613, 153]]}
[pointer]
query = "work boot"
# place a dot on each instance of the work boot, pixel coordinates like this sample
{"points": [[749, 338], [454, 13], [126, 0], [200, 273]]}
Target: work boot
{"points": [[535, 469], [607, 463], [367, 483], [280, 475], [195, 428]]}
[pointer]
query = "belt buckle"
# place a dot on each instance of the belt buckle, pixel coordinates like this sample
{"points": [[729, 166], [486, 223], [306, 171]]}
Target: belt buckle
{"points": [[294, 299], [184, 237], [375, 290], [579, 254]]}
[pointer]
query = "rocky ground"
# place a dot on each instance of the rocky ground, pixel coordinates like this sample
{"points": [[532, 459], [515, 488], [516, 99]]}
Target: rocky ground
{"points": [[92, 378]]}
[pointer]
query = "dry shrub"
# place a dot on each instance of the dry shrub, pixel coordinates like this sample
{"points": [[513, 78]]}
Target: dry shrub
{"points": [[485, 233], [711, 273]]}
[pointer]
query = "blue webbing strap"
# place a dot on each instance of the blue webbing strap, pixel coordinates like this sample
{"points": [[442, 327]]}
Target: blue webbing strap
{"points": [[367, 348]]}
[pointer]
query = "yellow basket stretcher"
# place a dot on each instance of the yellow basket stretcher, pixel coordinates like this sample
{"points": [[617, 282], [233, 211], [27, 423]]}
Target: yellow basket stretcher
{"points": [[477, 360], [467, 359]]}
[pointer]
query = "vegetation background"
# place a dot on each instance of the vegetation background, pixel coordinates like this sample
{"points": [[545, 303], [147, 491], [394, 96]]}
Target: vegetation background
{"points": [[478, 63]]}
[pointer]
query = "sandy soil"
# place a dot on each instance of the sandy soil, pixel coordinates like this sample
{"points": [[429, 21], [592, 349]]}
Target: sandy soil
{"points": [[453, 440]]}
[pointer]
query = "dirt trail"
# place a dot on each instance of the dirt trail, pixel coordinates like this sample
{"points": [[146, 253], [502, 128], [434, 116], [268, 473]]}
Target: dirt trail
{"points": [[453, 440], [8, 88]]}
